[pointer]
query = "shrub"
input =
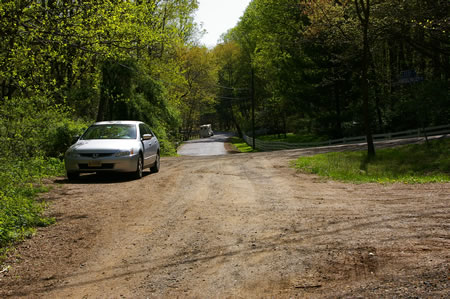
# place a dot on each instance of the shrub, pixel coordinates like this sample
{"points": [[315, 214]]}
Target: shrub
{"points": [[19, 184], [33, 127], [59, 137]]}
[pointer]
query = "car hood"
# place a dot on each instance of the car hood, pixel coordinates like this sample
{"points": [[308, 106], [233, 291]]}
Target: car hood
{"points": [[108, 145]]}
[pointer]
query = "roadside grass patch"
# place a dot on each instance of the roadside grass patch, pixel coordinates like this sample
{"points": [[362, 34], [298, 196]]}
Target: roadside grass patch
{"points": [[417, 163], [293, 138], [241, 145], [20, 182]]}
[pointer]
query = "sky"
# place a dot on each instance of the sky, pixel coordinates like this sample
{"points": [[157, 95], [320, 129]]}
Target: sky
{"points": [[217, 16]]}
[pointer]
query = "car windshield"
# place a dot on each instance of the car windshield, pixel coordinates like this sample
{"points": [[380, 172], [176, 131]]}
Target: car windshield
{"points": [[110, 131]]}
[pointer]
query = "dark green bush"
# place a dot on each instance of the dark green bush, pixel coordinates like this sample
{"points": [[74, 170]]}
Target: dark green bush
{"points": [[33, 127], [31, 131], [60, 136]]}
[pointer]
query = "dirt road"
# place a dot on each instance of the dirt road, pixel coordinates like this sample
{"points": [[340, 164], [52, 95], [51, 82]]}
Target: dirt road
{"points": [[242, 226]]}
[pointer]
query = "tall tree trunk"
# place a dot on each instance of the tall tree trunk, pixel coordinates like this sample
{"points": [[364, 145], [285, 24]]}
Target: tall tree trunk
{"points": [[363, 10], [253, 108], [378, 108], [377, 97], [337, 100], [446, 66], [101, 106]]}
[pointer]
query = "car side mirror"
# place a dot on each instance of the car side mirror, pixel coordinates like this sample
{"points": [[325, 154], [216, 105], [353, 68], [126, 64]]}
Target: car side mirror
{"points": [[147, 136]]}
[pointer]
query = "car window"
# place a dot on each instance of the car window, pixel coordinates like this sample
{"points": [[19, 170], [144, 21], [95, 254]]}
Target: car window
{"points": [[110, 131], [149, 130], [143, 130]]}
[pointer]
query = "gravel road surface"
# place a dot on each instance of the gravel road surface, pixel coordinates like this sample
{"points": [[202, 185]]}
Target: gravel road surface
{"points": [[238, 225]]}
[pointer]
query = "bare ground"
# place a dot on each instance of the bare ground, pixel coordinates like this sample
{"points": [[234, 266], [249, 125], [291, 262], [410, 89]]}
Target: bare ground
{"points": [[242, 226]]}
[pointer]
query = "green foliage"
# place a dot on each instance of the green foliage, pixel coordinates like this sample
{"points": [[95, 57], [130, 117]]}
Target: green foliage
{"points": [[416, 163], [148, 102], [60, 136], [241, 145], [87, 56], [270, 48], [33, 127], [233, 103], [30, 128], [65, 63], [307, 61], [421, 105], [83, 98], [50, 46], [19, 184], [293, 138], [197, 88]]}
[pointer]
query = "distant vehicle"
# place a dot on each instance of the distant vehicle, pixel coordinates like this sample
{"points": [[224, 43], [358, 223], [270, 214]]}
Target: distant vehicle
{"points": [[206, 131], [114, 146]]}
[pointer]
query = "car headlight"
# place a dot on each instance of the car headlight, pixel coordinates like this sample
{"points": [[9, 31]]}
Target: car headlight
{"points": [[123, 153]]}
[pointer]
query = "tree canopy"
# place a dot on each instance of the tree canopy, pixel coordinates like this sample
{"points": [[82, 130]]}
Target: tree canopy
{"points": [[327, 67], [342, 68], [93, 60]]}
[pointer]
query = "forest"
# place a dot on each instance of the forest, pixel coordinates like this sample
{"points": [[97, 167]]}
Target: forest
{"points": [[337, 68], [330, 68]]}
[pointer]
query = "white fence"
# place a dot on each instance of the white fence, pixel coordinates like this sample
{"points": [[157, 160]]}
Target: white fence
{"points": [[277, 145]]}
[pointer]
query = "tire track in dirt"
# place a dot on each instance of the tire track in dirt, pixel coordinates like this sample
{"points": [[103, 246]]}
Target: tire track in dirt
{"points": [[243, 225]]}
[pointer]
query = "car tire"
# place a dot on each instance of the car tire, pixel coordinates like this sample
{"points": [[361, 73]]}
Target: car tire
{"points": [[157, 164], [71, 176], [139, 168]]}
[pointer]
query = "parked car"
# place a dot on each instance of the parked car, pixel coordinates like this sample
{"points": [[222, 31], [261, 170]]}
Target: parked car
{"points": [[114, 146], [206, 131]]}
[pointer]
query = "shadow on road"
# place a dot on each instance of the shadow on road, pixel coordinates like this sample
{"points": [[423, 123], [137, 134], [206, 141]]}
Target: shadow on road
{"points": [[102, 178]]}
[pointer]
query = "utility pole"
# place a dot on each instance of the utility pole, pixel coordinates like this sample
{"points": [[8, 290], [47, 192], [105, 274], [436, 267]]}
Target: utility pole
{"points": [[253, 108]]}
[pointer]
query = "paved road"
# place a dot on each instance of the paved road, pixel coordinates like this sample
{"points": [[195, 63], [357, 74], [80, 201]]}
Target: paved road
{"points": [[212, 146]]}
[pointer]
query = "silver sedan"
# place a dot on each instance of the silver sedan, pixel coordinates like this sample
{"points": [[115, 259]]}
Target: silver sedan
{"points": [[114, 146]]}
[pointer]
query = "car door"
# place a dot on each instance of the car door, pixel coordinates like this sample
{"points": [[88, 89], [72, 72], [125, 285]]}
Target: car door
{"points": [[146, 145], [154, 145]]}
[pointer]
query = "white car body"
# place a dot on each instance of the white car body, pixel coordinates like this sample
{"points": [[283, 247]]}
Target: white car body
{"points": [[132, 148]]}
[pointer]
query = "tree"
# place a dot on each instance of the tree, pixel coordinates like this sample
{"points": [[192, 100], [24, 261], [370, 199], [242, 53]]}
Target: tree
{"points": [[90, 56], [232, 95], [345, 24], [363, 9], [269, 39], [198, 88]]}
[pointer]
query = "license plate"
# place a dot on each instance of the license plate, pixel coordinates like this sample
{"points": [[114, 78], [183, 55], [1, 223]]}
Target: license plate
{"points": [[94, 163]]}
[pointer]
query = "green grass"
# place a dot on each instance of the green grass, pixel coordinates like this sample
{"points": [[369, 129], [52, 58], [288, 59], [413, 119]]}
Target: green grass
{"points": [[20, 182], [241, 145], [293, 138], [407, 164]]}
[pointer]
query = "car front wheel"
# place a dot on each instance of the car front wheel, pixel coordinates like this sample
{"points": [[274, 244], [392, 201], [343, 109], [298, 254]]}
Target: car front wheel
{"points": [[155, 167], [139, 168]]}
